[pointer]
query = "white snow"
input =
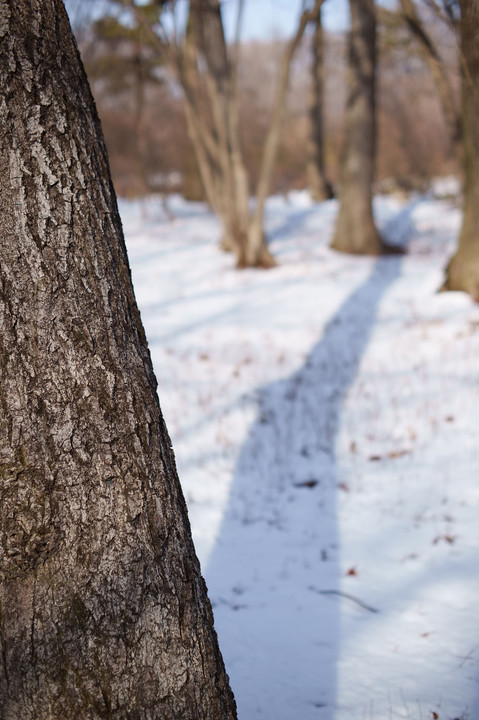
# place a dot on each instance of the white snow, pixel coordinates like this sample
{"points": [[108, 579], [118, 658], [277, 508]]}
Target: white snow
{"points": [[324, 417]]}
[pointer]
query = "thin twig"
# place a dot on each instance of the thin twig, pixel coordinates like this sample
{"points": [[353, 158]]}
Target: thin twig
{"points": [[347, 596]]}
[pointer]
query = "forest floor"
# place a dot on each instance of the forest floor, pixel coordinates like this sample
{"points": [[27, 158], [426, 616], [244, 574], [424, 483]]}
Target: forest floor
{"points": [[325, 416]]}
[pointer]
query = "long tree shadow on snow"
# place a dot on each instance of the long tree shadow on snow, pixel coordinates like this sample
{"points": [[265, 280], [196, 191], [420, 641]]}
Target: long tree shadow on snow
{"points": [[278, 547]]}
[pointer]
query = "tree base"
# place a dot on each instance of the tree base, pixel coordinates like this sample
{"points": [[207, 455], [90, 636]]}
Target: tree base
{"points": [[462, 275], [262, 259], [252, 251], [323, 193], [371, 244], [226, 243]]}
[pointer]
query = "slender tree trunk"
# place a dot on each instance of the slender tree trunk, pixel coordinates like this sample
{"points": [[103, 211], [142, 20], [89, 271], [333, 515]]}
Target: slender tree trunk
{"points": [[270, 148], [438, 72], [319, 186], [355, 229], [223, 171], [103, 611], [212, 117], [463, 270]]}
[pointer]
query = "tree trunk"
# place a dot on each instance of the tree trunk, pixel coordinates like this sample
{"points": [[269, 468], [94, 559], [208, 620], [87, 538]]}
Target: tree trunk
{"points": [[463, 270], [355, 229], [103, 611], [438, 71], [270, 147], [221, 164], [319, 186]]}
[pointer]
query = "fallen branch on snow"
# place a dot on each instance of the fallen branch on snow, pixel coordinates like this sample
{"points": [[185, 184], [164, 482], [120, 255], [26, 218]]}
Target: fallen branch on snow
{"points": [[345, 595]]}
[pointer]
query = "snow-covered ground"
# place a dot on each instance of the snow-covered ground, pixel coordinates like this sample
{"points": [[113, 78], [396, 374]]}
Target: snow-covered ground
{"points": [[325, 420]]}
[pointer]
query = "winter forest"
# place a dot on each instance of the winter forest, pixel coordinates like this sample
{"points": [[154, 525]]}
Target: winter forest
{"points": [[239, 287]]}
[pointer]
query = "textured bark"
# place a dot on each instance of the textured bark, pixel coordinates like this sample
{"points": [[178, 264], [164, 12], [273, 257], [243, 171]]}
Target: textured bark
{"points": [[463, 269], [319, 186], [103, 611], [355, 229]]}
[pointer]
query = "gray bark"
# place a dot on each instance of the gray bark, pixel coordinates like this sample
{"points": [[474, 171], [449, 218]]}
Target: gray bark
{"points": [[103, 611], [463, 269], [355, 230]]}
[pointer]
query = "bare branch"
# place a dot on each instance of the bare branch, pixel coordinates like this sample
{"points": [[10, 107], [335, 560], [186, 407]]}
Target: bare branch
{"points": [[436, 66], [236, 48], [272, 137]]}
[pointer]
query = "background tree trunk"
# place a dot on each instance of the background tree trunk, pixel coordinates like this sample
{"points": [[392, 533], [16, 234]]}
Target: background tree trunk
{"points": [[439, 73], [463, 270], [208, 74], [271, 142], [220, 159], [103, 611], [319, 186], [355, 229]]}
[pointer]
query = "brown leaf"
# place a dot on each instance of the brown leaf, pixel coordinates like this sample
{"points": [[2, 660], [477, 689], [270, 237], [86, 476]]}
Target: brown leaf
{"points": [[374, 458], [398, 453], [447, 538], [306, 484], [351, 571], [344, 487], [434, 715]]}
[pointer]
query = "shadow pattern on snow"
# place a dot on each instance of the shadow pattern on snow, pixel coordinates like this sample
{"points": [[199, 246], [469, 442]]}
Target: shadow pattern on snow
{"points": [[278, 544]]}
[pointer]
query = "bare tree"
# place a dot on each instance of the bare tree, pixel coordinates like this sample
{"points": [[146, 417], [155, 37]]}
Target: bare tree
{"points": [[207, 69], [355, 229], [463, 270], [212, 113], [103, 611], [319, 186], [439, 73]]}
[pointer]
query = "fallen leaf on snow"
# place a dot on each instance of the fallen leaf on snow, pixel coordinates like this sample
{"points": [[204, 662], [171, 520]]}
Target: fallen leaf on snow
{"points": [[447, 538], [391, 455], [398, 453], [306, 484]]}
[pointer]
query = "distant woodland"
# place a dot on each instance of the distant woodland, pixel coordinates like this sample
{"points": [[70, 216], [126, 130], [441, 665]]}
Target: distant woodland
{"points": [[142, 111]]}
